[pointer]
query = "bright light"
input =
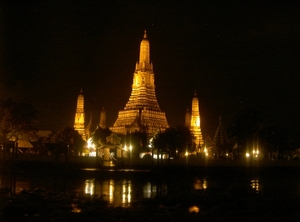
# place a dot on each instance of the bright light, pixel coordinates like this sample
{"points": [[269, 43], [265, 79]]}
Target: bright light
{"points": [[93, 153], [194, 209], [150, 145], [91, 147], [255, 153], [247, 155], [90, 144], [186, 153], [130, 147], [125, 148], [146, 153], [89, 187], [111, 191]]}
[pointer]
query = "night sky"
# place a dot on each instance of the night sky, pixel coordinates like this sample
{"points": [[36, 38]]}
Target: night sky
{"points": [[232, 53]]}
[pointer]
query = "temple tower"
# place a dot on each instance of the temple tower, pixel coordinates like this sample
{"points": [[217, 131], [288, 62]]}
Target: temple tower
{"points": [[187, 122], [102, 122], [195, 122], [220, 138], [142, 112], [79, 116], [88, 128]]}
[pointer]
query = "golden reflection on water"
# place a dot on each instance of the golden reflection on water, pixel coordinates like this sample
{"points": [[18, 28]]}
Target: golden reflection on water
{"points": [[254, 183], [89, 187], [147, 192], [151, 190], [200, 184], [117, 193]]}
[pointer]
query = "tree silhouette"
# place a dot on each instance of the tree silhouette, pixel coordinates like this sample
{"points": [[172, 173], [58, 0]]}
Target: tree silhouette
{"points": [[67, 140], [245, 125], [138, 141], [174, 139], [17, 119], [99, 136]]}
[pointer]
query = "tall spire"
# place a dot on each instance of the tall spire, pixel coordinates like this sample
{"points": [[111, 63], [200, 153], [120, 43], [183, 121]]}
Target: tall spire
{"points": [[144, 62], [89, 127], [79, 115], [142, 112], [195, 122], [187, 121], [102, 122], [220, 138]]}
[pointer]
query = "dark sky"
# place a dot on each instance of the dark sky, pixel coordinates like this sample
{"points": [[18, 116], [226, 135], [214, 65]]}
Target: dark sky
{"points": [[232, 53]]}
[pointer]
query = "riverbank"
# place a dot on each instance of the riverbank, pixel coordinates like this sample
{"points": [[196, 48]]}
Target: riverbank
{"points": [[229, 201], [94, 162], [227, 198], [204, 167]]}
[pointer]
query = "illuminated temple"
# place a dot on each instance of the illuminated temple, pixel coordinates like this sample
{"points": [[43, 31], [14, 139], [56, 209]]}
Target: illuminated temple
{"points": [[79, 116], [192, 121], [142, 112]]}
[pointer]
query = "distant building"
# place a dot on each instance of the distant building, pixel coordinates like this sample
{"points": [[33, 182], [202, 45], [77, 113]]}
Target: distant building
{"points": [[187, 122], [220, 139], [142, 112], [194, 123], [79, 116], [102, 122]]}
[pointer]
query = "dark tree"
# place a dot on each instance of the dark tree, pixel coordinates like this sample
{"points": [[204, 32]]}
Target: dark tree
{"points": [[244, 126], [17, 119], [99, 136], [67, 140], [174, 139], [138, 141], [279, 139]]}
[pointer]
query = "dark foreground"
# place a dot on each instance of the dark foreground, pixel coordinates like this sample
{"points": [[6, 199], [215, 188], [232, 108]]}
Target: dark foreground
{"points": [[229, 204], [41, 205]]}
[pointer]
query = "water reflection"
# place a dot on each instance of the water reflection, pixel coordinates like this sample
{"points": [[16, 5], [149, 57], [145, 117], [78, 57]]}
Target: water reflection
{"points": [[89, 187], [200, 184], [152, 189], [114, 192], [125, 189], [147, 190], [254, 183]]}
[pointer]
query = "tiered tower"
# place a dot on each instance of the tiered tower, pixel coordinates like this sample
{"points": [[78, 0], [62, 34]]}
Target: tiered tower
{"points": [[187, 122], [102, 122], [79, 116], [142, 112], [220, 138], [195, 123]]}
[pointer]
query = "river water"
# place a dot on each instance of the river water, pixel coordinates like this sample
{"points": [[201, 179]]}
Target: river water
{"points": [[122, 188]]}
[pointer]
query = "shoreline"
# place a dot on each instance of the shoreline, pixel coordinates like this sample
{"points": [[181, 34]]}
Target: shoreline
{"points": [[202, 167]]}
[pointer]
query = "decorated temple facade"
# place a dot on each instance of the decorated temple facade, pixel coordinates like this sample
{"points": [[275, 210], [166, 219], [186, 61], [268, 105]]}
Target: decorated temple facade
{"points": [[142, 112]]}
